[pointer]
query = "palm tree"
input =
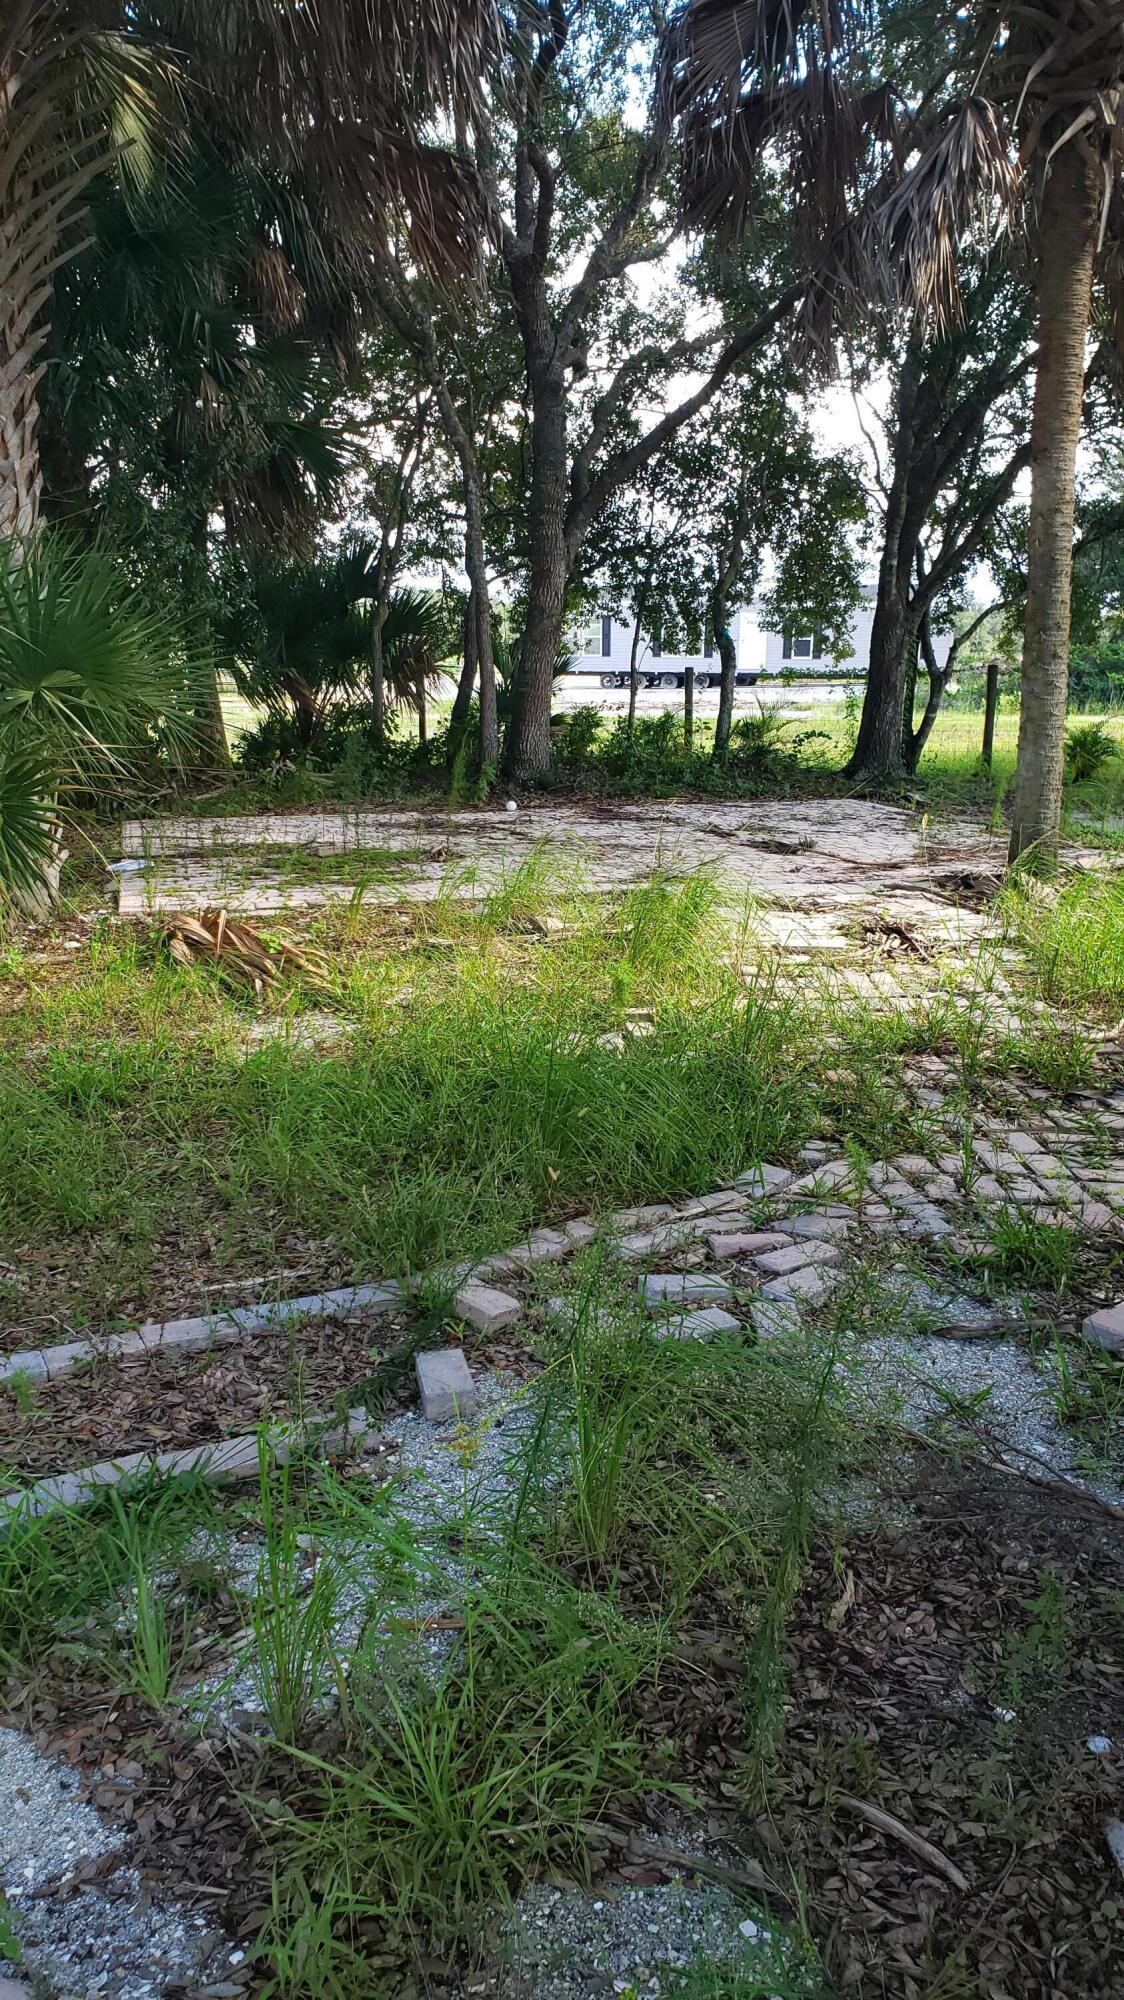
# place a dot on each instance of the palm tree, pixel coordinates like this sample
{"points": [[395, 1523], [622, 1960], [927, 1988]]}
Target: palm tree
{"points": [[1019, 108], [335, 96]]}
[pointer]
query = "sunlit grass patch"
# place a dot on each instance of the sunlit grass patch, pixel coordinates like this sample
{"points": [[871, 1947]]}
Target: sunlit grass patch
{"points": [[1074, 939]]}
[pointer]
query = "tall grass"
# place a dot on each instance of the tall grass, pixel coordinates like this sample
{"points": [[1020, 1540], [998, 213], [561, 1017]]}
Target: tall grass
{"points": [[1074, 939]]}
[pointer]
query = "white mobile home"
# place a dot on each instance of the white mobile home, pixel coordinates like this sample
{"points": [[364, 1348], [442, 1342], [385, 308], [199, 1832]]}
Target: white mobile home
{"points": [[602, 645]]}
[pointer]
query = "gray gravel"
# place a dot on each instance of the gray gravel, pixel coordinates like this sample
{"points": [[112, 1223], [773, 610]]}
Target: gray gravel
{"points": [[111, 1943], [443, 1474], [1014, 1414], [572, 1944]]}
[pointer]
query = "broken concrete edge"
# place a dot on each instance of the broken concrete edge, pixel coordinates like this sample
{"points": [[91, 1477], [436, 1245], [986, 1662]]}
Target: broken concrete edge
{"points": [[228, 1458]]}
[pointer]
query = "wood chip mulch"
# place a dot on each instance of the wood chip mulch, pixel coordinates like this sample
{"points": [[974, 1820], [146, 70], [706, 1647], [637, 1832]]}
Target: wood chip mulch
{"points": [[1002, 1597], [172, 1401]]}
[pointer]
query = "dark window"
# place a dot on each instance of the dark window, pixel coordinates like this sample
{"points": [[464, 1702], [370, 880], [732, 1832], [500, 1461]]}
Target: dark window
{"points": [[802, 647], [606, 636]]}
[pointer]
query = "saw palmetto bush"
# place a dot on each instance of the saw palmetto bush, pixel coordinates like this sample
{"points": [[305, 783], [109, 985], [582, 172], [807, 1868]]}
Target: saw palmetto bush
{"points": [[90, 684]]}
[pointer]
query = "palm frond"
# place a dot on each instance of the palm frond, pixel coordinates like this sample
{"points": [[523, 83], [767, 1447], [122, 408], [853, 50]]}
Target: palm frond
{"points": [[966, 177], [28, 836], [87, 666]]}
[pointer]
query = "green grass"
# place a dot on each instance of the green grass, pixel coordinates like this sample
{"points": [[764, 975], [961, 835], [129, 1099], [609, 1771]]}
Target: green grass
{"points": [[477, 1089], [1030, 1252], [59, 1573], [1073, 937], [665, 1482]]}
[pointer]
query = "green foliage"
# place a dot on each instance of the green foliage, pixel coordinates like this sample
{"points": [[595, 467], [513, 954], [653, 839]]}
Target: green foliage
{"points": [[294, 1608], [458, 1777], [90, 687], [60, 1570], [1031, 1252], [1074, 939], [1088, 746], [28, 839]]}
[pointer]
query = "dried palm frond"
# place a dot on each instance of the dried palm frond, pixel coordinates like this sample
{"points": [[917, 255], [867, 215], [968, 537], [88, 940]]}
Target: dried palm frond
{"points": [[239, 951], [711, 44], [966, 177]]}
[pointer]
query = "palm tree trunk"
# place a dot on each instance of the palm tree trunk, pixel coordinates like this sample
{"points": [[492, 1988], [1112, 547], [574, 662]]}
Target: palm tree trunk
{"points": [[1067, 233], [21, 482]]}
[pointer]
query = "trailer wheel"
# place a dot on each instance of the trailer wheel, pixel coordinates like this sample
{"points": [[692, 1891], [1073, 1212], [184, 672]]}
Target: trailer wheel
{"points": [[669, 681], [702, 680], [609, 681]]}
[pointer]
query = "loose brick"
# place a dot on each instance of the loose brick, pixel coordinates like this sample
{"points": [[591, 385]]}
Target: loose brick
{"points": [[446, 1387], [484, 1307], [1106, 1328]]}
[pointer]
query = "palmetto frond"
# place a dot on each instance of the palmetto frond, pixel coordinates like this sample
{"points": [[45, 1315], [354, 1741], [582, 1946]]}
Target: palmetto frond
{"points": [[411, 636], [28, 836], [86, 665]]}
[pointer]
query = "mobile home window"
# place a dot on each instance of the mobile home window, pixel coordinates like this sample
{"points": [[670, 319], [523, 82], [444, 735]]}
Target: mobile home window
{"points": [[798, 647]]}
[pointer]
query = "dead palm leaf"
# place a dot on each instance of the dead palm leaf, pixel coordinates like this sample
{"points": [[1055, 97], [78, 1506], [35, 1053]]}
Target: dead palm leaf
{"points": [[240, 952]]}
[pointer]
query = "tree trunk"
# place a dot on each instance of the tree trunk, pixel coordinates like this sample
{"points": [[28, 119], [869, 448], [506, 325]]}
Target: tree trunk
{"points": [[527, 750], [462, 700], [477, 567], [1067, 234], [877, 756], [938, 680], [634, 668], [423, 719], [991, 707], [210, 722], [376, 676], [23, 331], [728, 662]]}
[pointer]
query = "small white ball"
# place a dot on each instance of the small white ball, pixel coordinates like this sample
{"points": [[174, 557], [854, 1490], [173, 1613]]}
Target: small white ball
{"points": [[511, 806]]}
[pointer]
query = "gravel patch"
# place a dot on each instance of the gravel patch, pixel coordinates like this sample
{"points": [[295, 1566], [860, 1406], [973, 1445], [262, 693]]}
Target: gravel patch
{"points": [[442, 1475], [572, 1944], [1014, 1412], [111, 1943]]}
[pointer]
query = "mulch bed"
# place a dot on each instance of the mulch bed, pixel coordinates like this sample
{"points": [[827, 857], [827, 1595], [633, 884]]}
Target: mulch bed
{"points": [[95, 1282], [169, 1401], [1002, 1596]]}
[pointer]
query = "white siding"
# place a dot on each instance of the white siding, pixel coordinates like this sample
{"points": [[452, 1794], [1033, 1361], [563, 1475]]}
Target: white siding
{"points": [[758, 651]]}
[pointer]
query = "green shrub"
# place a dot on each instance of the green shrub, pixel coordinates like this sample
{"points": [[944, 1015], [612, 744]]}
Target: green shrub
{"points": [[1087, 746]]}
